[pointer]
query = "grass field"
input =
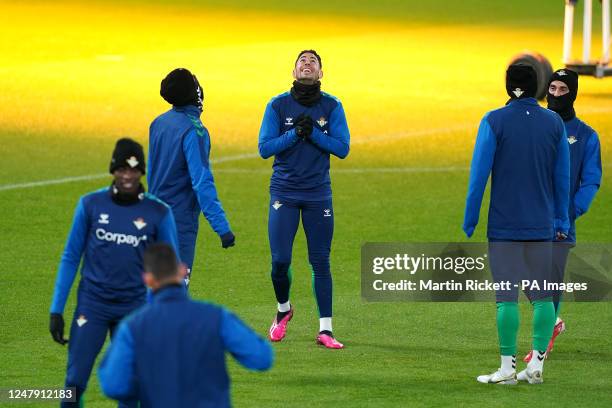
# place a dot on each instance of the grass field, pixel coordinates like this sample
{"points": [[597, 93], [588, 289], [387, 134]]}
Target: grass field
{"points": [[415, 79]]}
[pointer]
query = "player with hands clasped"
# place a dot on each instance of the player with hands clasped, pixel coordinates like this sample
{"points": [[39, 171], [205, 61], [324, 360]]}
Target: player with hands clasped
{"points": [[301, 128], [111, 229]]}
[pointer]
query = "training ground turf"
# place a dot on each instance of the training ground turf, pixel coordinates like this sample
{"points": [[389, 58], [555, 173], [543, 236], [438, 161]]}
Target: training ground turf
{"points": [[415, 81]]}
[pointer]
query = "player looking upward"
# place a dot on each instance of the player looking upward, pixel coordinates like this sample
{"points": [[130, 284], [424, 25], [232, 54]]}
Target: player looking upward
{"points": [[301, 128]]}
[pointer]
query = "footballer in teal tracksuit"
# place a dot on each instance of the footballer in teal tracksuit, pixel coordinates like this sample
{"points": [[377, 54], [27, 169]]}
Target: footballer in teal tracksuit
{"points": [[524, 147], [301, 129]]}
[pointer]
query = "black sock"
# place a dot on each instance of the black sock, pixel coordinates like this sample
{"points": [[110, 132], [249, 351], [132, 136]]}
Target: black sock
{"points": [[326, 332], [281, 315]]}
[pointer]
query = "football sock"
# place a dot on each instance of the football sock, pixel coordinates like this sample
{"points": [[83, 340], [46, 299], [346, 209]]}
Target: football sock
{"points": [[325, 324], [284, 307], [508, 364], [543, 323], [281, 280], [537, 360], [507, 327], [283, 310], [326, 332]]}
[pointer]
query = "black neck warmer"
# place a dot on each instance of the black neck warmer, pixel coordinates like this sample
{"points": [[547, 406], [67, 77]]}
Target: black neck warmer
{"points": [[307, 95], [126, 198]]}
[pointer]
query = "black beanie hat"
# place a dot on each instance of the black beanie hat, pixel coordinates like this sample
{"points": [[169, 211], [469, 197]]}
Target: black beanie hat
{"points": [[564, 104], [313, 52], [127, 152], [180, 88], [521, 81]]}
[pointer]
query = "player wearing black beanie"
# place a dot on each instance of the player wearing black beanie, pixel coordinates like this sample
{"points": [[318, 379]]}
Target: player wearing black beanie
{"points": [[181, 88], [127, 152], [521, 81]]}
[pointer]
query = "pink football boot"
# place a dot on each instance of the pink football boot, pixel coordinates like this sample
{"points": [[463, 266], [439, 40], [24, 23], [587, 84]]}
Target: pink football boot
{"points": [[329, 341], [559, 328], [279, 329]]}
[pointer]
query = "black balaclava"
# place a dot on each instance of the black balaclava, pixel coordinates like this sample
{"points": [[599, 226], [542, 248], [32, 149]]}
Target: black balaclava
{"points": [[304, 94], [181, 88], [127, 152], [521, 81], [564, 104]]}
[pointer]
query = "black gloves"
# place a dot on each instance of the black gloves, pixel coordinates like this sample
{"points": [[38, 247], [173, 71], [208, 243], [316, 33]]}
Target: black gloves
{"points": [[227, 240], [303, 126], [56, 327]]}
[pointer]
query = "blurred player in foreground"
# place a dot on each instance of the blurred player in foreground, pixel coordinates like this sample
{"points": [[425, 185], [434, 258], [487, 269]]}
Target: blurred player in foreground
{"points": [[301, 128], [179, 168], [524, 148], [171, 353], [110, 231], [585, 173]]}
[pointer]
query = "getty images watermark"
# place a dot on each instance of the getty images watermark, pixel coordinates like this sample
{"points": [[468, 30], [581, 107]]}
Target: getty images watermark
{"points": [[464, 272]]}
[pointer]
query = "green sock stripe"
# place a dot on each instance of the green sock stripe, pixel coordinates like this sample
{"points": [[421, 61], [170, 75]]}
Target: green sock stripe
{"points": [[507, 327], [543, 323]]}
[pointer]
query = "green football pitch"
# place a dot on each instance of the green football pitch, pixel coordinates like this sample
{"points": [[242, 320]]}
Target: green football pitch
{"points": [[415, 79]]}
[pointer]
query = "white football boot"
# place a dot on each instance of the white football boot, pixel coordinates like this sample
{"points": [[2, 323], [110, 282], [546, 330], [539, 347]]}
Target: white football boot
{"points": [[498, 378], [531, 376]]}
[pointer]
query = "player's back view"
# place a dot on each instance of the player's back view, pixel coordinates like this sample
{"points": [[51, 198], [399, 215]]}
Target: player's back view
{"points": [[523, 172], [525, 149]]}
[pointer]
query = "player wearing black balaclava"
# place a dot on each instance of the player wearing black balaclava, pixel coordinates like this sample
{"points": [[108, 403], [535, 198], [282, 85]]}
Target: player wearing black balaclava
{"points": [[585, 172], [562, 97]]}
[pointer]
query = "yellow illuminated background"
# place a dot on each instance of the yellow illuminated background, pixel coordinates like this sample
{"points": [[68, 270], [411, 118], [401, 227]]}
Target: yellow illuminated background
{"points": [[413, 90]]}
